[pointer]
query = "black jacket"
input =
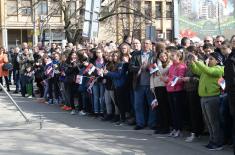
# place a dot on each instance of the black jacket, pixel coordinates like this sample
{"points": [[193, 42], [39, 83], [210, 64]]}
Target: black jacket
{"points": [[71, 71], [229, 73], [15, 63], [135, 65]]}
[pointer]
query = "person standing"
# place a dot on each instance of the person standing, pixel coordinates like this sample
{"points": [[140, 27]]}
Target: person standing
{"points": [[229, 76], [16, 69], [141, 83], [209, 91], [3, 73]]}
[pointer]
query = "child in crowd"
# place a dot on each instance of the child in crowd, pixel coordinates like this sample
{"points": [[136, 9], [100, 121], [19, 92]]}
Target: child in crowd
{"points": [[209, 91]]}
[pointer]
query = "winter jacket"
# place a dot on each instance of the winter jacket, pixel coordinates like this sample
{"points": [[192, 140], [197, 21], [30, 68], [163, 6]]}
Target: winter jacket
{"points": [[176, 70], [15, 63], [119, 77], [229, 73], [155, 80], [135, 64], [84, 86], [25, 60], [71, 71], [209, 76], [192, 84]]}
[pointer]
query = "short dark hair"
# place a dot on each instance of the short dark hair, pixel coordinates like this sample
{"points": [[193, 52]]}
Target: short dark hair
{"points": [[208, 46], [184, 40]]}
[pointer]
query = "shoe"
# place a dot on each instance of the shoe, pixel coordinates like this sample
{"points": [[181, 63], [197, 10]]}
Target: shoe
{"points": [[214, 147], [66, 108], [115, 119], [177, 134], [191, 138], [16, 92], [82, 113], [172, 133], [50, 101], [119, 123], [131, 121], [30, 96], [73, 112], [107, 117], [137, 127]]}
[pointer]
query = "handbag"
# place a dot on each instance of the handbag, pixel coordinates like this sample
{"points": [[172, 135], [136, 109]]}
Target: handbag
{"points": [[7, 66]]}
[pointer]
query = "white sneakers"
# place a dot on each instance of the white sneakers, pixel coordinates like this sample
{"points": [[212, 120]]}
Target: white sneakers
{"points": [[172, 133], [191, 138], [175, 133], [82, 113], [73, 112]]}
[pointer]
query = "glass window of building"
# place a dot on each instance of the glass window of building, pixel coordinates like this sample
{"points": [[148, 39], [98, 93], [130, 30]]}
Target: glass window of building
{"points": [[158, 6], [12, 7], [42, 7], [169, 10], [25, 7]]}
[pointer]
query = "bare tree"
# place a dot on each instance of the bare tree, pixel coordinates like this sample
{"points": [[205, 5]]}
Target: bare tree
{"points": [[73, 19]]}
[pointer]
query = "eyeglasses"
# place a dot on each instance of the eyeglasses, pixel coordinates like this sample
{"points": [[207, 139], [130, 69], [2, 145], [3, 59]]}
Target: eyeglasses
{"points": [[219, 41], [206, 40]]}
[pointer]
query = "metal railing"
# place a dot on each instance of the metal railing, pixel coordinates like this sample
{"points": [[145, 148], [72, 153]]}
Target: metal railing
{"points": [[15, 104]]}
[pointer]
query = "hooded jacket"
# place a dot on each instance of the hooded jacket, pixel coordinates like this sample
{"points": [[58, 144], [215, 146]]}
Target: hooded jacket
{"points": [[209, 76]]}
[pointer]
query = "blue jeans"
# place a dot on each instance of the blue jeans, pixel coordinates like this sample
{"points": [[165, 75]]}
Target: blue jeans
{"points": [[142, 92], [98, 96]]}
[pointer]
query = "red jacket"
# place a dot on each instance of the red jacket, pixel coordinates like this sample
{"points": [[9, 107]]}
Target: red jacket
{"points": [[176, 70]]}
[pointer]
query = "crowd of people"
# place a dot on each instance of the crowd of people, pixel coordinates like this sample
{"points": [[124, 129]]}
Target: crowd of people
{"points": [[166, 86]]}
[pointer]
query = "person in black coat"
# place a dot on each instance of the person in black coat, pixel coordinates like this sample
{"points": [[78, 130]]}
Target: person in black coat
{"points": [[71, 71], [229, 76]]}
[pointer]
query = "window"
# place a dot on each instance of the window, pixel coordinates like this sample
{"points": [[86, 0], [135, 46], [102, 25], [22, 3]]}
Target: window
{"points": [[25, 7], [169, 34], [55, 8], [72, 7], [148, 9], [169, 10], [12, 7], [26, 11], [137, 34], [158, 6], [42, 8]]}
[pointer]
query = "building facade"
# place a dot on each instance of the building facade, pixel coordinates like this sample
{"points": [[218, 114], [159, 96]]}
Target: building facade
{"points": [[32, 21], [155, 22]]}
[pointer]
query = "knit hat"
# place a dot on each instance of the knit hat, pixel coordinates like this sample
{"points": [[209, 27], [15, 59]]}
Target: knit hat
{"points": [[218, 57]]}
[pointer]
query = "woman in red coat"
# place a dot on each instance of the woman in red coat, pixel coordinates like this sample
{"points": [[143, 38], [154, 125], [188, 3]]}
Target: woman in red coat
{"points": [[3, 73]]}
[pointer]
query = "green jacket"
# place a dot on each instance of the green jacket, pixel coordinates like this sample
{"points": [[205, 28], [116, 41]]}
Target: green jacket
{"points": [[209, 76]]}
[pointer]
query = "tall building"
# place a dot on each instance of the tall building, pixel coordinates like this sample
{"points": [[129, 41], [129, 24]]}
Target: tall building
{"points": [[186, 7], [24, 20], [158, 14]]}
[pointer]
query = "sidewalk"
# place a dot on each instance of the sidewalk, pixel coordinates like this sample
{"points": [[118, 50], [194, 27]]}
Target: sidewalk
{"points": [[64, 134]]}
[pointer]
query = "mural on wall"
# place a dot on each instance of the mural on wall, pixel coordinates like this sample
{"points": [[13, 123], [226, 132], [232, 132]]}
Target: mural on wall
{"points": [[198, 18]]}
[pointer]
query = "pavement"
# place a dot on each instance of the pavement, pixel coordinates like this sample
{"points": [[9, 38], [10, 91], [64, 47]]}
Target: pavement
{"points": [[52, 131]]}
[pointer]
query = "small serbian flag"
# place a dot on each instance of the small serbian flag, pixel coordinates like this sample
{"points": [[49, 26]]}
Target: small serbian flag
{"points": [[79, 79], [174, 81], [49, 71], [221, 83], [153, 68], [89, 69]]}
